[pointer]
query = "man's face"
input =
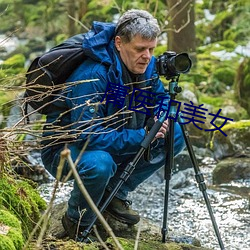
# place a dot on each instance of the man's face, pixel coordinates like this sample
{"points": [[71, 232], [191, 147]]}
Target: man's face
{"points": [[137, 53]]}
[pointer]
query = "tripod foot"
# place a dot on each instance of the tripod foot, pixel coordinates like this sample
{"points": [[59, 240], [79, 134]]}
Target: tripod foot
{"points": [[164, 232]]}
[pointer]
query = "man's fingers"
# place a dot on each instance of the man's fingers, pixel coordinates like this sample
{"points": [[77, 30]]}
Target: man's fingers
{"points": [[159, 135]]}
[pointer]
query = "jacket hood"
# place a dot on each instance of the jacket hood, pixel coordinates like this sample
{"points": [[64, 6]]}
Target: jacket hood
{"points": [[98, 42]]}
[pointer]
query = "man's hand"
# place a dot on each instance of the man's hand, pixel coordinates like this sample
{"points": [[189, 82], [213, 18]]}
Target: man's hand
{"points": [[163, 130]]}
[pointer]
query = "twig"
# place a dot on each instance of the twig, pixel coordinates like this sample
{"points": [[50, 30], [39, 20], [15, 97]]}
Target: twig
{"points": [[45, 217], [66, 154], [137, 236], [77, 21], [99, 238]]}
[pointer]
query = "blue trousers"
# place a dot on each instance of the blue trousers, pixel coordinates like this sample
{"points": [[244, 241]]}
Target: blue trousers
{"points": [[100, 170]]}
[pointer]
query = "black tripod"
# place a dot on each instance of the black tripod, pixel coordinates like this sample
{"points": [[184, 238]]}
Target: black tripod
{"points": [[129, 169], [169, 163], [173, 90]]}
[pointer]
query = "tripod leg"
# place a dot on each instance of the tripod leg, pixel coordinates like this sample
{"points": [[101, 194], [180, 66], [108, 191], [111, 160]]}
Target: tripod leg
{"points": [[128, 170], [200, 180], [168, 173]]}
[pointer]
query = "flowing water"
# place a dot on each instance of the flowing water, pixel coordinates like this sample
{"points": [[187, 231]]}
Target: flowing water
{"points": [[187, 212]]}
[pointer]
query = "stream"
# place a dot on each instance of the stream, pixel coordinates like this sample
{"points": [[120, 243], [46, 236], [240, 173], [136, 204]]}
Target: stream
{"points": [[187, 212]]}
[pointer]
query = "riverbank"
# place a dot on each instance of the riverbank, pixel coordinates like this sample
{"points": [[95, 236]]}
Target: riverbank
{"points": [[188, 215]]}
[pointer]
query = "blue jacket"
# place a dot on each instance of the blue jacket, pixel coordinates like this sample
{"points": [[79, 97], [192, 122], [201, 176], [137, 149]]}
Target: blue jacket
{"points": [[100, 123]]}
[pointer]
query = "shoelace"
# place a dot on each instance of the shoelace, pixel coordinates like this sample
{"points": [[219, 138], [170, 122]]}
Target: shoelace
{"points": [[127, 203]]}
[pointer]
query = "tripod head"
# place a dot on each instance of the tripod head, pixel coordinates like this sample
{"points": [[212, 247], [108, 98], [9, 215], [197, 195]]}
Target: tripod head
{"points": [[174, 89]]}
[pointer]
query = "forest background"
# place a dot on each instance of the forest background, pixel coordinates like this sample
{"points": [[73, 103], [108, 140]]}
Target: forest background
{"points": [[214, 33]]}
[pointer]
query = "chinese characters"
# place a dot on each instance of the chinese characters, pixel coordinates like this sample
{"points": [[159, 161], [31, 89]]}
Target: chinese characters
{"points": [[116, 94]]}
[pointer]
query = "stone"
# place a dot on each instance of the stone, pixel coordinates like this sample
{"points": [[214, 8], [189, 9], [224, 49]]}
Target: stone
{"points": [[236, 142], [231, 169]]}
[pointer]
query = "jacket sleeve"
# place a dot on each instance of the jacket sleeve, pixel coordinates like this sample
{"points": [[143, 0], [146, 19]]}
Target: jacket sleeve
{"points": [[89, 120]]}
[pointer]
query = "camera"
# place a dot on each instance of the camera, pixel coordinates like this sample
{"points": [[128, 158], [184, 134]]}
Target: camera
{"points": [[171, 65]]}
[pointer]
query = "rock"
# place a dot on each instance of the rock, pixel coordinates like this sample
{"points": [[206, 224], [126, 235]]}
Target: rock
{"points": [[237, 141], [149, 238], [198, 137], [232, 152], [181, 179], [20, 209], [189, 96], [231, 169], [10, 231], [31, 167]]}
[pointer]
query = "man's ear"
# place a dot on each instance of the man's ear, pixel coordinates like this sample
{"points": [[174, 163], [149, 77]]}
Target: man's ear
{"points": [[118, 42]]}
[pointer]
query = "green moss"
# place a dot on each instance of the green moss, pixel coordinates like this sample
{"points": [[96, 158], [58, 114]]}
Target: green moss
{"points": [[13, 239], [16, 237], [237, 125], [6, 243], [9, 219], [160, 49], [91, 247], [225, 75], [228, 45], [16, 61], [212, 100], [242, 84], [128, 244], [6, 96], [21, 199], [61, 38], [13, 71]]}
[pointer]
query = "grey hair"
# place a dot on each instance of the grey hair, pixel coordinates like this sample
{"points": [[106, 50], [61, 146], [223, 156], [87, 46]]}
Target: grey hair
{"points": [[137, 22]]}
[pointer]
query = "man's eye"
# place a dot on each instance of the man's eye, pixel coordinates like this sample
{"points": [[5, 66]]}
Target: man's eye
{"points": [[139, 49]]}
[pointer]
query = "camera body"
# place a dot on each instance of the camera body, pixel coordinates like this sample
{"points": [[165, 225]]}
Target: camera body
{"points": [[171, 65]]}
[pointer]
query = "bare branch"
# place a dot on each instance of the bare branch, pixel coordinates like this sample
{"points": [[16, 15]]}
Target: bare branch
{"points": [[77, 21], [66, 154]]}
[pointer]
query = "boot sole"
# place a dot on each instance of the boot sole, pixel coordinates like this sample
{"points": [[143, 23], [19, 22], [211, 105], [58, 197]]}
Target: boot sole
{"points": [[121, 219]]}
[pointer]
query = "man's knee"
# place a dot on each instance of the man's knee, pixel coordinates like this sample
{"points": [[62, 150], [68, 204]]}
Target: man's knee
{"points": [[97, 165]]}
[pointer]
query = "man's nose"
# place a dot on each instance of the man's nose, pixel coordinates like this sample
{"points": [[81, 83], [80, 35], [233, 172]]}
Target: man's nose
{"points": [[146, 54]]}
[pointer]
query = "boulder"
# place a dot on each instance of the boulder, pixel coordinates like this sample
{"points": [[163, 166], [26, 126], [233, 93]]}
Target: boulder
{"points": [[231, 169], [235, 143], [150, 235], [232, 152]]}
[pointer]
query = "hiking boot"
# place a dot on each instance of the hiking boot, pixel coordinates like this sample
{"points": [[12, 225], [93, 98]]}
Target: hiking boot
{"points": [[121, 211], [75, 231]]}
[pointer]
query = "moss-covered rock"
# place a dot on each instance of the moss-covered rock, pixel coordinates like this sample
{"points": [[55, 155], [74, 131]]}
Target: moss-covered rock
{"points": [[11, 237], [22, 200], [237, 141], [128, 244], [150, 235], [6, 243]]}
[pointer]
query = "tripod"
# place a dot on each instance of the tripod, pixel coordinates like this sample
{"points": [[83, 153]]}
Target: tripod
{"points": [[173, 90]]}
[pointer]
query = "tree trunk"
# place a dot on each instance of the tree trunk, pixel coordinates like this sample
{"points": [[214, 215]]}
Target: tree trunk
{"points": [[83, 7], [181, 27], [71, 6]]}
